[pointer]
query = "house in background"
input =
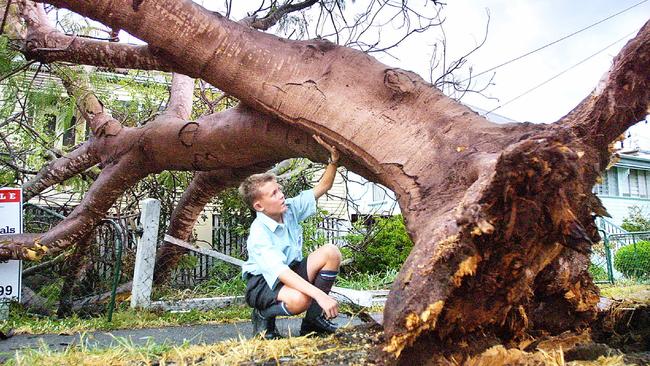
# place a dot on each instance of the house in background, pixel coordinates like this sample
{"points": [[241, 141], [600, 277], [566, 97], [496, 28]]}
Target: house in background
{"points": [[624, 185]]}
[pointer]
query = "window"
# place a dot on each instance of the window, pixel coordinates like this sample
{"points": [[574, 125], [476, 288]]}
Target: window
{"points": [[70, 132], [636, 183], [609, 184], [377, 193], [643, 183], [602, 189], [624, 181], [633, 178], [612, 180]]}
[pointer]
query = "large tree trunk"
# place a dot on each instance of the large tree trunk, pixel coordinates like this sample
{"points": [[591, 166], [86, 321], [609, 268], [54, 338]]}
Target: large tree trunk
{"points": [[501, 215]]}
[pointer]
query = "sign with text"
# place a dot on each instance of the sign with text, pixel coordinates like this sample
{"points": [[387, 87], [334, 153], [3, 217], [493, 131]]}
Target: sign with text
{"points": [[11, 222]]}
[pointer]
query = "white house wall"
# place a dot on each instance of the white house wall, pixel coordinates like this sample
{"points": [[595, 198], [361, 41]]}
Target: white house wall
{"points": [[369, 198], [618, 207], [334, 201]]}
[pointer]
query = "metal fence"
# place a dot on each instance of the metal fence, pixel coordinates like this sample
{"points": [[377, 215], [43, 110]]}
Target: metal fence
{"points": [[622, 256], [230, 242], [101, 263], [334, 230], [226, 240]]}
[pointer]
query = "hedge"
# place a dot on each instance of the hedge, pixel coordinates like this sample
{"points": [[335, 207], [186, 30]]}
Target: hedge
{"points": [[633, 261]]}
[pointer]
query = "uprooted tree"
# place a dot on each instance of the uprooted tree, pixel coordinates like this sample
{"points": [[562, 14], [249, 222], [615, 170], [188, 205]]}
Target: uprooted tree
{"points": [[502, 216]]}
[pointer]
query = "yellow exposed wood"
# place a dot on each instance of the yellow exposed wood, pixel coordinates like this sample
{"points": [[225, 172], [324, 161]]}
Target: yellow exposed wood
{"points": [[466, 267], [415, 325]]}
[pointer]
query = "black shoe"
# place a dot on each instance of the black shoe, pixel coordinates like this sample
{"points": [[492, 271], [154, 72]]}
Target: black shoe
{"points": [[264, 327], [271, 330], [318, 325]]}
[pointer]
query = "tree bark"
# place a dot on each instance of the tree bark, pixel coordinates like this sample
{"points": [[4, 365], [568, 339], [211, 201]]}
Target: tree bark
{"points": [[500, 215]]}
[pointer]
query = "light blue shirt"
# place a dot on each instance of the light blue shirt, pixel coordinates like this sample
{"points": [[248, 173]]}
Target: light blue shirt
{"points": [[272, 246]]}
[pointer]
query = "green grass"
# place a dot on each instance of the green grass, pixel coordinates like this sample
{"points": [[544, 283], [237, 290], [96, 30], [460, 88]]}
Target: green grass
{"points": [[230, 284], [364, 281], [626, 289], [125, 352], [24, 323], [302, 350]]}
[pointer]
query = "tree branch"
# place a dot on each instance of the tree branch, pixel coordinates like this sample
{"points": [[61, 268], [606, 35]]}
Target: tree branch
{"points": [[180, 96], [620, 100], [275, 15], [46, 44], [238, 139], [61, 169]]}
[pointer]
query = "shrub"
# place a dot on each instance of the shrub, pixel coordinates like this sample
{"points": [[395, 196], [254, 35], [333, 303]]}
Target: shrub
{"points": [[636, 220], [598, 273], [633, 261], [385, 247]]}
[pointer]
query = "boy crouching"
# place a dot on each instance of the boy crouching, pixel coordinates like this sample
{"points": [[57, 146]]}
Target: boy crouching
{"points": [[279, 280]]}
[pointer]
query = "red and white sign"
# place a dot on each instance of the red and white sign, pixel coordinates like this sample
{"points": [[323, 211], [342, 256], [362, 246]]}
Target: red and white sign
{"points": [[11, 222], [10, 195]]}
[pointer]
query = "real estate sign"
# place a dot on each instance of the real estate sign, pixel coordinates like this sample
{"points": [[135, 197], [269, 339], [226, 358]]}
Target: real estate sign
{"points": [[11, 222]]}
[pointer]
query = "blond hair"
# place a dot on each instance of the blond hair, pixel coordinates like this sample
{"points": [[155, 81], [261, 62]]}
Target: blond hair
{"points": [[249, 188]]}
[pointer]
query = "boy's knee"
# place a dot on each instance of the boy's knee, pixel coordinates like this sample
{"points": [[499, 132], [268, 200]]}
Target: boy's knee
{"points": [[298, 302], [333, 253]]}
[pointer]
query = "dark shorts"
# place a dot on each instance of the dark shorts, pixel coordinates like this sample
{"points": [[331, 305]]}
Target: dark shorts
{"points": [[258, 293]]}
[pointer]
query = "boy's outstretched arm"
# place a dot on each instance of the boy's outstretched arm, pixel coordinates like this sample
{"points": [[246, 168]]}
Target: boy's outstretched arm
{"points": [[326, 181]]}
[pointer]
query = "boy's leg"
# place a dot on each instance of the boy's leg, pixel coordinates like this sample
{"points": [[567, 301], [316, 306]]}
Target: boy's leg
{"points": [[265, 307], [322, 269]]}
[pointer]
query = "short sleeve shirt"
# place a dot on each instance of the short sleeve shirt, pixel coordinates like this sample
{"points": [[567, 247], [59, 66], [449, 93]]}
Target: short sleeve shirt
{"points": [[272, 246]]}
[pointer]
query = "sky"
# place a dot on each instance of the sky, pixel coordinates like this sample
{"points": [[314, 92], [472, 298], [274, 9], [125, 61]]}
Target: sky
{"points": [[517, 27]]}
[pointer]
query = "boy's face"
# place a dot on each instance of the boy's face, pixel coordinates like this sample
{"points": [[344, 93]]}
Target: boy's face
{"points": [[270, 200]]}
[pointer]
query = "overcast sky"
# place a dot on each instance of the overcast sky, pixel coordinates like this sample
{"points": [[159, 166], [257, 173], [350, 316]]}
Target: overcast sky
{"points": [[517, 27]]}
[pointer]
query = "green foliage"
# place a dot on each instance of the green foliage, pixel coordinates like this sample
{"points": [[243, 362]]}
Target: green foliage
{"points": [[633, 260], [234, 212], [636, 220], [384, 247], [223, 280], [365, 281], [598, 273], [313, 237], [23, 322], [187, 261]]}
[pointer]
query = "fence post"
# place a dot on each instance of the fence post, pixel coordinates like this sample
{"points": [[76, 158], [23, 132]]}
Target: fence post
{"points": [[608, 257], [145, 256]]}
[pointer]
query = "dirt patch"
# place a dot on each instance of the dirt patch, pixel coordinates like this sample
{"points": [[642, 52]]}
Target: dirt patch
{"points": [[620, 336]]}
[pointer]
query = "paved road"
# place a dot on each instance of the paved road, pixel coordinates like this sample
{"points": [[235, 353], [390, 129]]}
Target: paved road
{"points": [[196, 334]]}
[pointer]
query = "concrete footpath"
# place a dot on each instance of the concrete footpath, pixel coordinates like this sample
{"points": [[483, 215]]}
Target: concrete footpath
{"points": [[194, 334]]}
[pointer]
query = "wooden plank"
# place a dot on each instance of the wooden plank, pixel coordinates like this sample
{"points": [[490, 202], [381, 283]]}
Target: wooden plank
{"points": [[198, 303], [359, 297], [209, 252]]}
